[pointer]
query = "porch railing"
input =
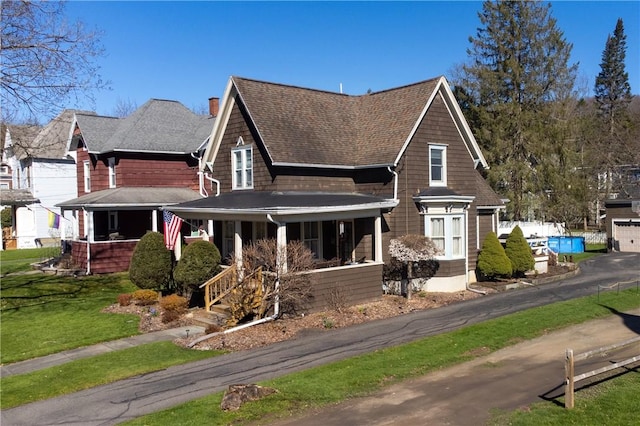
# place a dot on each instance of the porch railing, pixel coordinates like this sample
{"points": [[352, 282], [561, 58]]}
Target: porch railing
{"points": [[222, 284], [219, 286]]}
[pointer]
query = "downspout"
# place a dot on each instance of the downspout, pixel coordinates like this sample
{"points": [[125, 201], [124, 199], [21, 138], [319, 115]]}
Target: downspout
{"points": [[86, 225], [466, 258], [395, 182], [216, 181]]}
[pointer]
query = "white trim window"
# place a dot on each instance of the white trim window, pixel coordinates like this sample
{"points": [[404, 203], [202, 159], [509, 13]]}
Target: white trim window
{"points": [[113, 220], [87, 175], [437, 165], [242, 166], [448, 234], [311, 237], [112, 172]]}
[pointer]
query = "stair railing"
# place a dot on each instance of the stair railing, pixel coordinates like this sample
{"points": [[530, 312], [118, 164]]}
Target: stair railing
{"points": [[219, 286], [222, 284]]}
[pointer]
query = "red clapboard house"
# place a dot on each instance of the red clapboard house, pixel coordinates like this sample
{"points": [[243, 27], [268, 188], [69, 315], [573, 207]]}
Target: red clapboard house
{"points": [[128, 169]]}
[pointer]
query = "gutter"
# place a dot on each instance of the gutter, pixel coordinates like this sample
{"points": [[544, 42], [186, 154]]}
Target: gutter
{"points": [[466, 258]]}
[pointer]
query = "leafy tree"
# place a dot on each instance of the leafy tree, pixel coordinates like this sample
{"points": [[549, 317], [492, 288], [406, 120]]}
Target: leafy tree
{"points": [[199, 262], [519, 69], [151, 263], [46, 60], [519, 253], [5, 216], [493, 262]]}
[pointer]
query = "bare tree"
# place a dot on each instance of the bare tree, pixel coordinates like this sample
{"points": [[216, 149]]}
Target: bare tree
{"points": [[46, 60], [124, 107], [290, 287]]}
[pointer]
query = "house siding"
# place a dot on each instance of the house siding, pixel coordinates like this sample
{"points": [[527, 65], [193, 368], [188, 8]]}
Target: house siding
{"points": [[349, 285]]}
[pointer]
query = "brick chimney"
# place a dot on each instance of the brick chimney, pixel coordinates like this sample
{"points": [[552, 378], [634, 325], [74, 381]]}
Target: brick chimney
{"points": [[214, 106]]}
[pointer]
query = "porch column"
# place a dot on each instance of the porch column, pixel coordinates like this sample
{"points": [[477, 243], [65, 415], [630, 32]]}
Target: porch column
{"points": [[377, 230], [154, 220], [281, 255], [210, 228], [237, 243], [89, 226]]}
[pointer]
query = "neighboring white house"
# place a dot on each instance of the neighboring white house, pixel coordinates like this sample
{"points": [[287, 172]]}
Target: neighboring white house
{"points": [[40, 165]]}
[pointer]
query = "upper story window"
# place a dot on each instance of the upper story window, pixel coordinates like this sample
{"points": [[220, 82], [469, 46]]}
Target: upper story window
{"points": [[242, 159], [112, 172], [437, 165], [87, 176]]}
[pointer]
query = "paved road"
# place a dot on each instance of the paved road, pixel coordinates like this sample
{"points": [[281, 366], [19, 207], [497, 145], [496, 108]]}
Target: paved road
{"points": [[127, 399]]}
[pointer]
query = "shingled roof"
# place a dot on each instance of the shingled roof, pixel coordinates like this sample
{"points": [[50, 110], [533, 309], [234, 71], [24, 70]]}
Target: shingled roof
{"points": [[307, 127], [157, 126]]}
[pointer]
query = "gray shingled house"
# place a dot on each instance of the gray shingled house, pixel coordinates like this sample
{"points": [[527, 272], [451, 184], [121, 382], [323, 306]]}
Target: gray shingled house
{"points": [[346, 174]]}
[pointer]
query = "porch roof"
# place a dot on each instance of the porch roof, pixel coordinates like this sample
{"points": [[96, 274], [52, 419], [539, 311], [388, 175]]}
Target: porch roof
{"points": [[283, 205], [17, 197], [129, 198]]}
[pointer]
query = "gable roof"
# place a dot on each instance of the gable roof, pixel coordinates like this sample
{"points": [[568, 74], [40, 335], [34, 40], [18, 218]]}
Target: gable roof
{"points": [[314, 128], [16, 139], [159, 126]]}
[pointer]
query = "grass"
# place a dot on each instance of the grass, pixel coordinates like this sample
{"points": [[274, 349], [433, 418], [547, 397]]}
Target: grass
{"points": [[89, 372], [44, 314], [368, 373], [12, 261], [611, 402], [590, 250]]}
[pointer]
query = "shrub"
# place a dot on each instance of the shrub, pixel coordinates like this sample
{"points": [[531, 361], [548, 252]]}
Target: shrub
{"points": [[492, 260], [145, 297], [174, 303], [124, 299], [170, 316], [519, 253], [151, 263], [295, 289], [199, 262]]}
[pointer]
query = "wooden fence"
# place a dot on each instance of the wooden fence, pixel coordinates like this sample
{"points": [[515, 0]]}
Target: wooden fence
{"points": [[571, 359]]}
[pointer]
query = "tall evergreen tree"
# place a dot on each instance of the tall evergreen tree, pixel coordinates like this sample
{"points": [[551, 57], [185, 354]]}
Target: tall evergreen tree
{"points": [[614, 146], [519, 66]]}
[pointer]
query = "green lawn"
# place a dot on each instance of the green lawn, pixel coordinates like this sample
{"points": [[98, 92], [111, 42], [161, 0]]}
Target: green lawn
{"points": [[89, 372], [44, 314], [12, 261], [368, 373]]}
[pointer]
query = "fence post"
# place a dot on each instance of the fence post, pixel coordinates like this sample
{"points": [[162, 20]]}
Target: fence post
{"points": [[569, 374]]}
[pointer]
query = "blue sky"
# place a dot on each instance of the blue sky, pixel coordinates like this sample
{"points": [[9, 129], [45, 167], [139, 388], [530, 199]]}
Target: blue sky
{"points": [[186, 51]]}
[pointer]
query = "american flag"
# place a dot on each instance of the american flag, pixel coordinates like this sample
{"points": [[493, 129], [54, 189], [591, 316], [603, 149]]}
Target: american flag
{"points": [[172, 225]]}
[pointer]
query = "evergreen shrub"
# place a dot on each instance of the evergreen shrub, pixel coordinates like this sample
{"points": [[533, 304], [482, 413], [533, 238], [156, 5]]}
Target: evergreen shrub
{"points": [[493, 262], [151, 263], [200, 261], [519, 253]]}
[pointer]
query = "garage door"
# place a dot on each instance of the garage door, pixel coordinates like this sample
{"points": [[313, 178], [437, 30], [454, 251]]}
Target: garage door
{"points": [[627, 236]]}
